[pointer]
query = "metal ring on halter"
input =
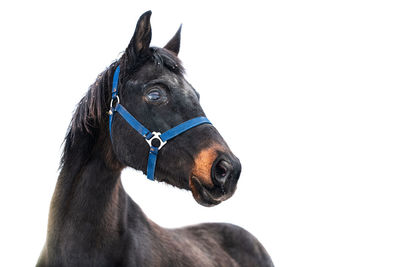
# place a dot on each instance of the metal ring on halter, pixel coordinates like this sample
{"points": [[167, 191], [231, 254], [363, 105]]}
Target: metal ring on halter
{"points": [[156, 135], [112, 102]]}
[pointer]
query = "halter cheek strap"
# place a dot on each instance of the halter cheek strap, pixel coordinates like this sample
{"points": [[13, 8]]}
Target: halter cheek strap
{"points": [[143, 131]]}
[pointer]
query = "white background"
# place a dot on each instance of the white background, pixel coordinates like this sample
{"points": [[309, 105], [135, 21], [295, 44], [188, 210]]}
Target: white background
{"points": [[306, 93]]}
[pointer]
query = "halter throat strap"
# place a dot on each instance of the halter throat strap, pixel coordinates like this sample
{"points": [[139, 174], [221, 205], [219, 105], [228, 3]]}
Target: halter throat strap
{"points": [[116, 107]]}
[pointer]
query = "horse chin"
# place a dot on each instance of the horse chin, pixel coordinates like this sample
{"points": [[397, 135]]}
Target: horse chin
{"points": [[205, 196]]}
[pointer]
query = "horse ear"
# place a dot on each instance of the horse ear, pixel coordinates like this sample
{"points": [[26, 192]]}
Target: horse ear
{"points": [[140, 41], [175, 43]]}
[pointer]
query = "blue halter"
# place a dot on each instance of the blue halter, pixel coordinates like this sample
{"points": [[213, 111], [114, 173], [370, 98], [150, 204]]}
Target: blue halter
{"points": [[143, 131]]}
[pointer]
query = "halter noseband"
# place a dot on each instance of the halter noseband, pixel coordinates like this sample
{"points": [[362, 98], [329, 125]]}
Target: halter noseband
{"points": [[143, 131]]}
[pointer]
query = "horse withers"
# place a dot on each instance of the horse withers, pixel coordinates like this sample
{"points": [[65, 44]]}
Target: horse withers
{"points": [[92, 220]]}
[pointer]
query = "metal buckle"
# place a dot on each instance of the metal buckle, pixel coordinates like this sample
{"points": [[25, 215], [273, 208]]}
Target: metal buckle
{"points": [[156, 135], [110, 112]]}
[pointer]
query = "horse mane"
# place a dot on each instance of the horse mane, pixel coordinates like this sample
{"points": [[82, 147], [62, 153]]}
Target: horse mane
{"points": [[91, 112]]}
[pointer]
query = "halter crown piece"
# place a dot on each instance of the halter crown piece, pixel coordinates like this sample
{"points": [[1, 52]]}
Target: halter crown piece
{"points": [[143, 131]]}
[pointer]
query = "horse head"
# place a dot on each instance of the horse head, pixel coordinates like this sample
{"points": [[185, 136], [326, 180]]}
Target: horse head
{"points": [[152, 87]]}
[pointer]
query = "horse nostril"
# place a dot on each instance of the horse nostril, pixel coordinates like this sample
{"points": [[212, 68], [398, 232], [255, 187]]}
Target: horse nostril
{"points": [[222, 171]]}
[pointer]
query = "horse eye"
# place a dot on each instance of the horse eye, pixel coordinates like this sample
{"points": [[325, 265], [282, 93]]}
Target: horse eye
{"points": [[154, 95]]}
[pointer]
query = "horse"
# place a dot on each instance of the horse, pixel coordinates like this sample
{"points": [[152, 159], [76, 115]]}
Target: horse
{"points": [[92, 220]]}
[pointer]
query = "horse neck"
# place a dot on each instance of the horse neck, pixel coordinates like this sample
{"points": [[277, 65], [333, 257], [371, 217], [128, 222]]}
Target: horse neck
{"points": [[89, 202], [88, 189]]}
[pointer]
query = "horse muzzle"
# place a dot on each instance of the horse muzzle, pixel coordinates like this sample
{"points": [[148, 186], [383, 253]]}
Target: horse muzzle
{"points": [[214, 176]]}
